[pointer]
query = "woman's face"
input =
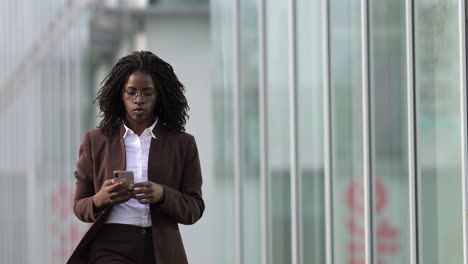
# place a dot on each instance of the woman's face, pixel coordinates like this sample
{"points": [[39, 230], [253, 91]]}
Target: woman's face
{"points": [[139, 98]]}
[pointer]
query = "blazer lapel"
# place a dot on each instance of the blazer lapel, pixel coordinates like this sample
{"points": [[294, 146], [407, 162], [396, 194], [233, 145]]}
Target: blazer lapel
{"points": [[156, 148], [116, 152]]}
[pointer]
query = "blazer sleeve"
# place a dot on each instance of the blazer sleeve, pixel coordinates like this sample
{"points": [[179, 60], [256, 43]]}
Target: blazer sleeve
{"points": [[186, 205], [84, 192]]}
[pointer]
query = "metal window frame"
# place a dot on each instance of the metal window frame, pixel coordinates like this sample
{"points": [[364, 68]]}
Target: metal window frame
{"points": [[411, 95], [295, 179], [463, 116], [237, 139], [327, 130], [265, 181], [369, 181]]}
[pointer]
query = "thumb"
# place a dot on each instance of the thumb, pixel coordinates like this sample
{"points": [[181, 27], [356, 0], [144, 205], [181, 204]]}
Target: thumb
{"points": [[108, 182]]}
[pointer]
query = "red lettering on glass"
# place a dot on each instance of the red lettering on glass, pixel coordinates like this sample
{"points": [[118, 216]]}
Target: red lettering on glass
{"points": [[354, 229], [64, 228], [387, 234]]}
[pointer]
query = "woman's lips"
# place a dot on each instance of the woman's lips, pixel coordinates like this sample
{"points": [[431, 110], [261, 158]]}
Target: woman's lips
{"points": [[138, 110]]}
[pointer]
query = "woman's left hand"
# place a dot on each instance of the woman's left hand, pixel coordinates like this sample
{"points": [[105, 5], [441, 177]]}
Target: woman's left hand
{"points": [[147, 192]]}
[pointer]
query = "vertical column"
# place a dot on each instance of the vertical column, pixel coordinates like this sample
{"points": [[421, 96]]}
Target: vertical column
{"points": [[296, 226], [78, 92], [366, 140], [3, 46], [463, 116], [67, 123], [327, 130], [411, 119], [34, 118], [265, 183], [12, 124], [237, 140]]}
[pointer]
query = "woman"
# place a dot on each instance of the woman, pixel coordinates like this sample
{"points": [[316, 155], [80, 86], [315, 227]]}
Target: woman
{"points": [[144, 112]]}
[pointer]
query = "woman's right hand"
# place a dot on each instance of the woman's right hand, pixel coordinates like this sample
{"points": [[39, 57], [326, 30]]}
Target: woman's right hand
{"points": [[112, 192]]}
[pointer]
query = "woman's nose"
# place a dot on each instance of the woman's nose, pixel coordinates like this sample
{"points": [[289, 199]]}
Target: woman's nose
{"points": [[139, 98]]}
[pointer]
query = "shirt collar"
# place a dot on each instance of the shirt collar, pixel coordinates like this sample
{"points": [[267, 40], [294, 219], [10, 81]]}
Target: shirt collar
{"points": [[151, 128]]}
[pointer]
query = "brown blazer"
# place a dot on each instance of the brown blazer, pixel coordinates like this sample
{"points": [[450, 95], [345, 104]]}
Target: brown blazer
{"points": [[173, 162]]}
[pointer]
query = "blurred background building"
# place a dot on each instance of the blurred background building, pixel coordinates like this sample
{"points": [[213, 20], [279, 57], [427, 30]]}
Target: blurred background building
{"points": [[329, 131]]}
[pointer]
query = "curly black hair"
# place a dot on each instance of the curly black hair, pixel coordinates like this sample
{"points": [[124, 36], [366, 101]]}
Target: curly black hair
{"points": [[171, 106]]}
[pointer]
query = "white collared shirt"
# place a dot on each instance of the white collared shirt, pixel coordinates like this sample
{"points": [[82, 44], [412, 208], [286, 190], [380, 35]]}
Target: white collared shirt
{"points": [[136, 153]]}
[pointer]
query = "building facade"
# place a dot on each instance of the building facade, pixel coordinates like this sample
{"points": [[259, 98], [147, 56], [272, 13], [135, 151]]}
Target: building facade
{"points": [[341, 129]]}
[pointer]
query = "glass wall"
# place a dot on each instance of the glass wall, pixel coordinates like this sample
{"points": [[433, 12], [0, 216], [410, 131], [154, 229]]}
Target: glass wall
{"points": [[382, 47], [43, 90]]}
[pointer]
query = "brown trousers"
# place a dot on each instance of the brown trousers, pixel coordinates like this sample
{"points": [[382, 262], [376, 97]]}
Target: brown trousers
{"points": [[118, 243]]}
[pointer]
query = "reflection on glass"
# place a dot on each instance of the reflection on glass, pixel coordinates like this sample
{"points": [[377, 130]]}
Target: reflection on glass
{"points": [[347, 171], [389, 130], [250, 134], [310, 130], [278, 130], [437, 78], [223, 126]]}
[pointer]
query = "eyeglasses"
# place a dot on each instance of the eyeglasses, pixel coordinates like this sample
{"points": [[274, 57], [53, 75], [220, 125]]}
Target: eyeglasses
{"points": [[132, 95]]}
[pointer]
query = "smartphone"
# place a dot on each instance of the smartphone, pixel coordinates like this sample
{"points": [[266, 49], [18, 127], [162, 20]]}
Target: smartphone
{"points": [[125, 176]]}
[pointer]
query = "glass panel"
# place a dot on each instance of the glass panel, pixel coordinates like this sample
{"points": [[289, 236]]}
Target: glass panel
{"points": [[439, 145], [278, 129], [222, 183], [250, 133], [347, 171], [39, 156], [310, 129], [389, 130]]}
